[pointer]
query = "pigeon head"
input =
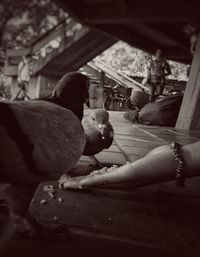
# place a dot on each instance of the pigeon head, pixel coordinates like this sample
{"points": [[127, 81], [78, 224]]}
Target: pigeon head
{"points": [[72, 82], [99, 118], [72, 91]]}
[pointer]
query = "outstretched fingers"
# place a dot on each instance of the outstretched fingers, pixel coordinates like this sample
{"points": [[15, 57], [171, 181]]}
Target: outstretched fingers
{"points": [[83, 182], [104, 176], [88, 181], [98, 178], [66, 182]]}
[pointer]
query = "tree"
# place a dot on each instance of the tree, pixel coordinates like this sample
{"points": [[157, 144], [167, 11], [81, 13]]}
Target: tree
{"points": [[131, 61], [23, 21]]}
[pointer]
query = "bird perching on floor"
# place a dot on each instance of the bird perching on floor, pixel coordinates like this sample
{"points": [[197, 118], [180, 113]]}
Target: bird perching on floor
{"points": [[99, 133], [39, 140]]}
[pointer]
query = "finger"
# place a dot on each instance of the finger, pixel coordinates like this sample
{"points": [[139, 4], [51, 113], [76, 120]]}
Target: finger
{"points": [[98, 180], [71, 183], [120, 174], [63, 178]]}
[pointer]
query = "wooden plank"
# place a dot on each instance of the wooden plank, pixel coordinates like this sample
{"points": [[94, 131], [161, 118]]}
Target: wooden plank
{"points": [[110, 158], [123, 12], [189, 115], [142, 138], [136, 143], [115, 218], [136, 150]]}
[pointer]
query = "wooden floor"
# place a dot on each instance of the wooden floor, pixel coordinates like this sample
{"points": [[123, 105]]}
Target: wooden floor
{"points": [[133, 141], [160, 220]]}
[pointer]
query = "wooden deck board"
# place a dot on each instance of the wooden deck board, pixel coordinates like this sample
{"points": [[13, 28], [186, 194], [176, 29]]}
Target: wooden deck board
{"points": [[144, 216], [157, 220], [115, 216]]}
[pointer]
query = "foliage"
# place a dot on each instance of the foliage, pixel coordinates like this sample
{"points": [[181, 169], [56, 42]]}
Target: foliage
{"points": [[23, 21], [131, 61], [5, 83]]}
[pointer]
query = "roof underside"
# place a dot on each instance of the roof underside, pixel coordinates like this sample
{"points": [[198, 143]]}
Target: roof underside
{"points": [[145, 24]]}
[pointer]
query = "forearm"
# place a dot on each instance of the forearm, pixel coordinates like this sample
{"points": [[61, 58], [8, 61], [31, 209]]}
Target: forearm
{"points": [[156, 167], [160, 166]]}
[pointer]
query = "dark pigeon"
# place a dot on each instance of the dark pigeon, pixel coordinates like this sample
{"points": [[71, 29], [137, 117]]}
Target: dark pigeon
{"points": [[40, 140], [71, 92]]}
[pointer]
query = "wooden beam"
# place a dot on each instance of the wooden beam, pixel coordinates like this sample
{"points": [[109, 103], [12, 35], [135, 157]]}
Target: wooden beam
{"points": [[189, 116], [116, 17], [75, 55], [140, 10], [73, 7], [140, 41], [124, 11], [156, 34], [129, 36], [177, 53]]}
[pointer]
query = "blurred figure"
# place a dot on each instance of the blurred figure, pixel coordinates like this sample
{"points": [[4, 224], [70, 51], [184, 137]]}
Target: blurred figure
{"points": [[157, 69], [193, 42], [24, 73]]}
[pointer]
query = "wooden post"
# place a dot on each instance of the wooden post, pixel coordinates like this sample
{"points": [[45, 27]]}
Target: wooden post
{"points": [[189, 115], [100, 91], [93, 95], [38, 86]]}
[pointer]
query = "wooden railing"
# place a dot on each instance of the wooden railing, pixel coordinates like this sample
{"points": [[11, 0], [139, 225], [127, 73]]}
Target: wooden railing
{"points": [[119, 78], [49, 52], [43, 47]]}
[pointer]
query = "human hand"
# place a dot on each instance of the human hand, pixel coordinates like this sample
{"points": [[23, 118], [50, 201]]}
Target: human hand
{"points": [[67, 182], [100, 177]]}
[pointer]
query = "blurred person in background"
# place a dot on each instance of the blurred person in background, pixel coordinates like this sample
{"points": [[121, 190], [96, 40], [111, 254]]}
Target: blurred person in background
{"points": [[157, 69], [24, 73]]}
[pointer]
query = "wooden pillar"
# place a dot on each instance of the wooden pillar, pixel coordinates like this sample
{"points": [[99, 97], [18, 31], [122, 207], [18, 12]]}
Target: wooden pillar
{"points": [[93, 95], [189, 115], [38, 86], [31, 90], [102, 78], [100, 91]]}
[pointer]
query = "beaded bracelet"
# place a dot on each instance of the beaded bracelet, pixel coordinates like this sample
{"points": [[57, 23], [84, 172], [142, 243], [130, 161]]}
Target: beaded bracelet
{"points": [[180, 176]]}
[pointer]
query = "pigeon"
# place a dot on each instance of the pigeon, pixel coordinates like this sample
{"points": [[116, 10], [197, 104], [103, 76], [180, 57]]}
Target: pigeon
{"points": [[99, 133], [71, 92], [40, 139]]}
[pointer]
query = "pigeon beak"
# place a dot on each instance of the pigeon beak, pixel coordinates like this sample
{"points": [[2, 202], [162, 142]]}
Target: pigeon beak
{"points": [[102, 130]]}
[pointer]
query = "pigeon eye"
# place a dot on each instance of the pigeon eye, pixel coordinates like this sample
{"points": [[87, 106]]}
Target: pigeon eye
{"points": [[93, 118]]}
